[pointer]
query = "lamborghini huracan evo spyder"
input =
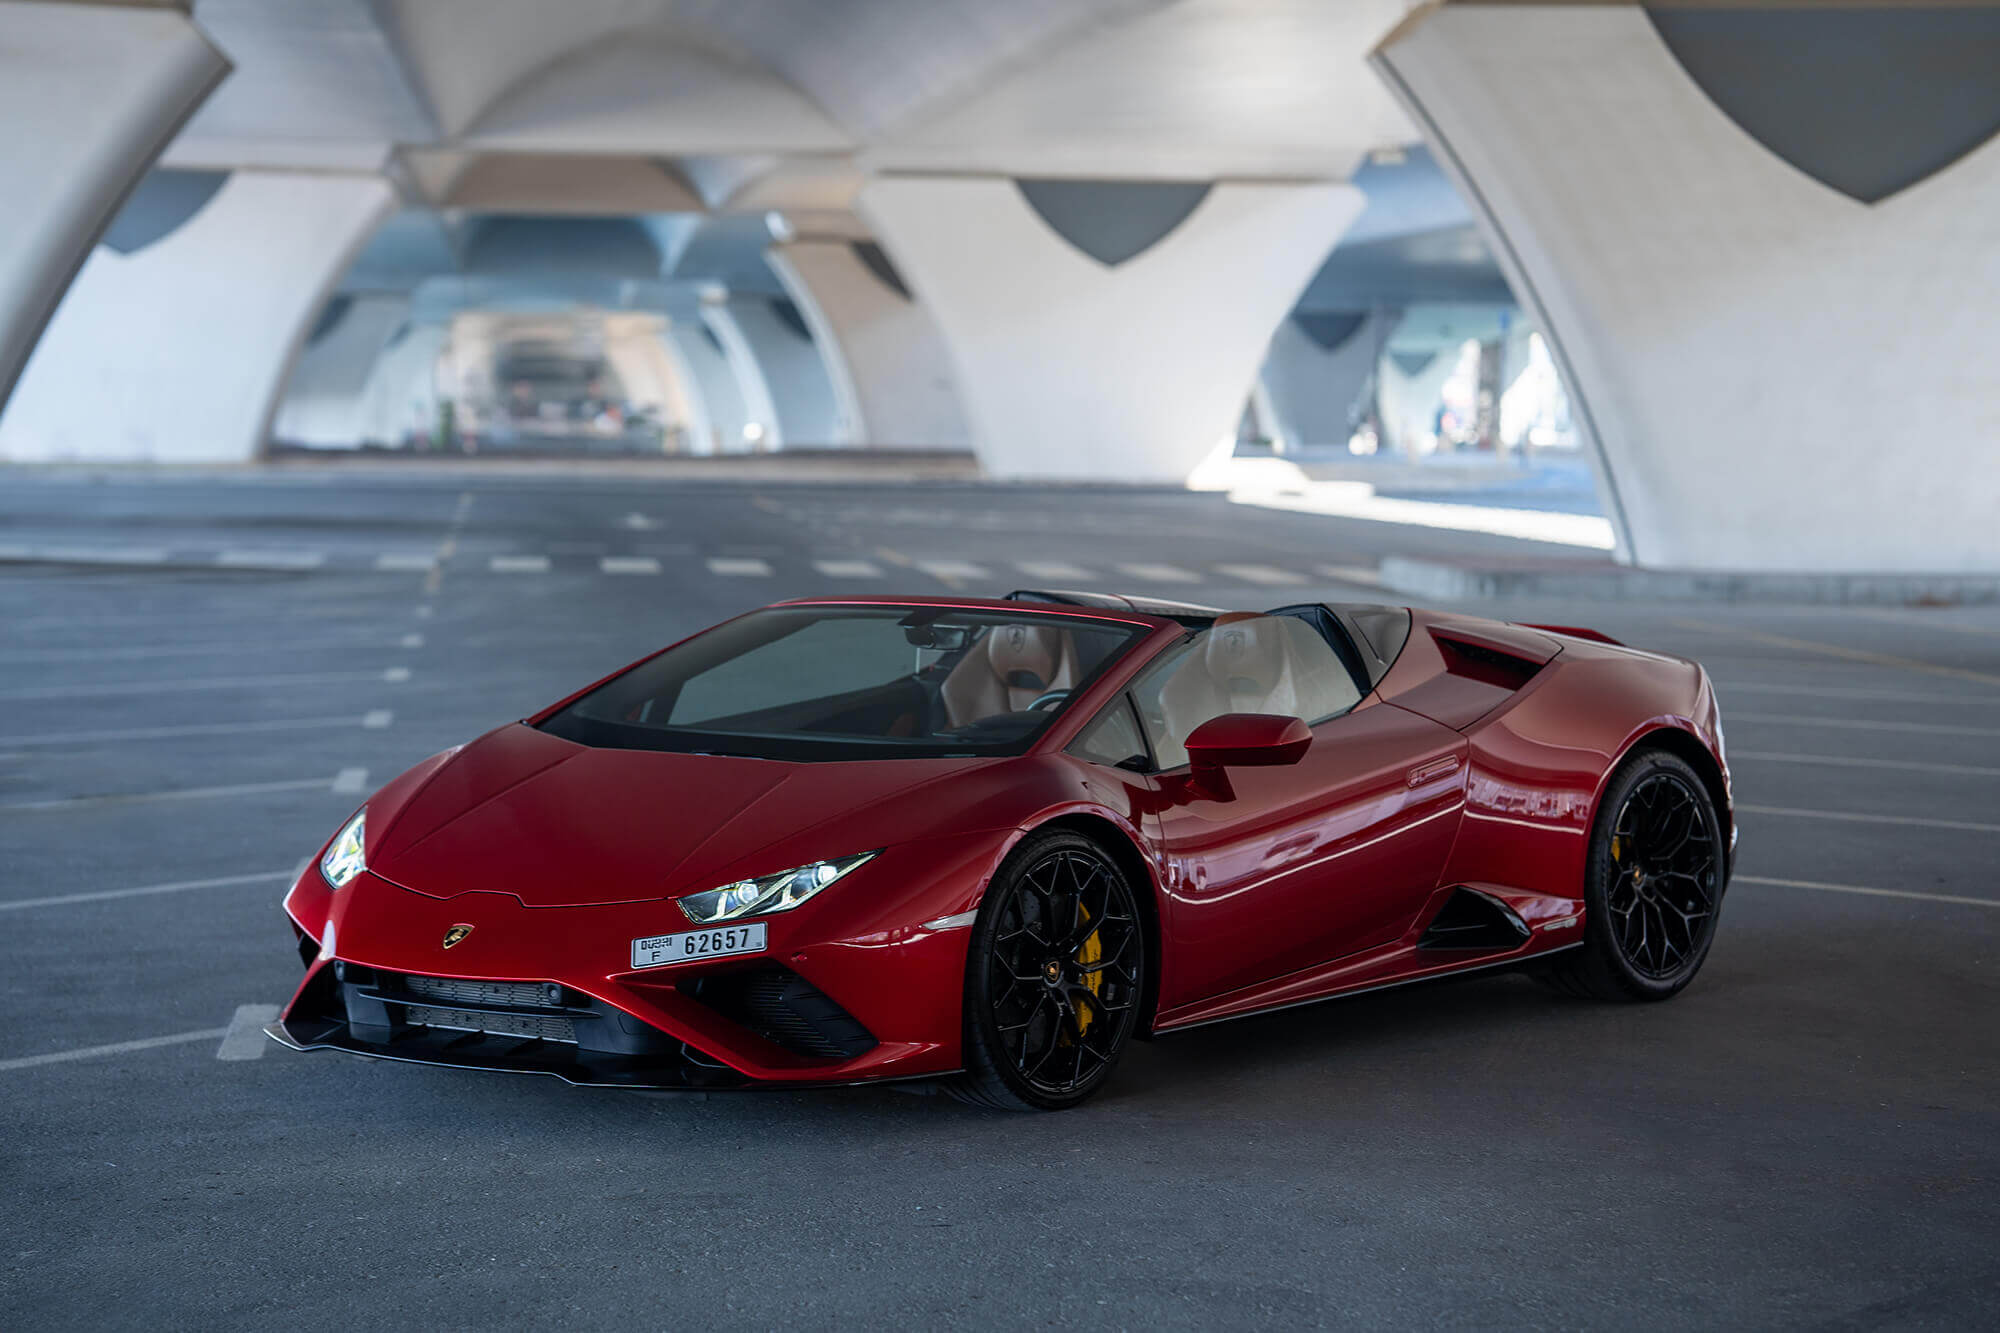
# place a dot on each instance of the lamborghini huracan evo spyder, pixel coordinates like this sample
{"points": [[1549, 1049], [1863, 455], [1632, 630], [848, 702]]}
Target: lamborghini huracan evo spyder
{"points": [[991, 842]]}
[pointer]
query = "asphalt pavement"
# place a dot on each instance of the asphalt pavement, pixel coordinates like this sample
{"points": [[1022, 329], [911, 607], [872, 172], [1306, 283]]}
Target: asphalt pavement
{"points": [[200, 677]]}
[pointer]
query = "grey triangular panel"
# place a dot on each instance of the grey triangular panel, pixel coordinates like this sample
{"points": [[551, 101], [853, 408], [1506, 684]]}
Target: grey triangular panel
{"points": [[1412, 363], [158, 205], [1113, 221], [1866, 100], [876, 260], [1328, 329]]}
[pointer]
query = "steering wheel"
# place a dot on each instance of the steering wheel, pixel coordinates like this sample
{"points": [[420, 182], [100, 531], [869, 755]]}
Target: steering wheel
{"points": [[1049, 700]]}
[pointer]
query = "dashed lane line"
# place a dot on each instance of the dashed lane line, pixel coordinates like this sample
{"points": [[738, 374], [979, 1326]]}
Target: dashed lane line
{"points": [[174, 794], [1839, 651], [392, 675], [1854, 817], [1727, 687], [1154, 573], [150, 890], [518, 564], [739, 567], [373, 720], [268, 559], [1858, 724], [1864, 891], [1845, 761], [115, 1048], [629, 564], [848, 569], [350, 781], [1052, 569], [1269, 576], [244, 1039], [952, 572], [406, 562]]}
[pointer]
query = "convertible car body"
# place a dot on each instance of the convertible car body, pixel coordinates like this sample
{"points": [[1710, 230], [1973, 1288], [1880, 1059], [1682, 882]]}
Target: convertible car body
{"points": [[990, 841]]}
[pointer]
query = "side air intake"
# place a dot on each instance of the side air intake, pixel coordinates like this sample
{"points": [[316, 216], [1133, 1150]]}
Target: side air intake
{"points": [[1470, 919]]}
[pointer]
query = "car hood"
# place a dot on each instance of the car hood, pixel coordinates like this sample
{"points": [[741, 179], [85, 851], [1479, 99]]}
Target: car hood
{"points": [[559, 824]]}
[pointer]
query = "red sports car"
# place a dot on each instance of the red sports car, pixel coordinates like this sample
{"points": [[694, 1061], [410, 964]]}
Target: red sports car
{"points": [[991, 842]]}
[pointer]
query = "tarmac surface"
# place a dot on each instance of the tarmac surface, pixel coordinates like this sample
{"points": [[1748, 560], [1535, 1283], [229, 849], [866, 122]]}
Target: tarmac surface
{"points": [[200, 677]]}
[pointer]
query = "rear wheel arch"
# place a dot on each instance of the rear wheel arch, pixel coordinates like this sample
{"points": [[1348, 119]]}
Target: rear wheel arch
{"points": [[1118, 845], [1688, 748]]}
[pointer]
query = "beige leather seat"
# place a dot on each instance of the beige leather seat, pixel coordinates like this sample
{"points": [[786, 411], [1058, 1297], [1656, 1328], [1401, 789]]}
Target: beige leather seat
{"points": [[1256, 664], [1009, 669]]}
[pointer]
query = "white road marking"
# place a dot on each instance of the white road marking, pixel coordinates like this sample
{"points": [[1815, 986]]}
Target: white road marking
{"points": [[405, 562], [426, 611], [641, 522], [89, 555], [952, 569], [1159, 573], [629, 564], [1263, 575], [245, 1039], [203, 683], [1839, 651], [848, 569], [350, 781], [1859, 724], [1365, 575], [148, 890], [1842, 761], [1846, 692], [242, 559], [518, 564], [1052, 569], [413, 641], [202, 729], [1866, 892], [738, 567], [115, 1048], [1841, 816], [395, 675], [377, 719], [177, 794]]}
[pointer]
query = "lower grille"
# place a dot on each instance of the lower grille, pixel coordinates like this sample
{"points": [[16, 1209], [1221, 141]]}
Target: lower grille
{"points": [[501, 1025], [456, 990], [784, 1008]]}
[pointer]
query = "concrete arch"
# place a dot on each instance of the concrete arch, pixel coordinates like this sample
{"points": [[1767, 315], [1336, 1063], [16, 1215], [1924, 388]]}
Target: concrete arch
{"points": [[1773, 376], [653, 89], [90, 95], [180, 351], [1067, 368]]}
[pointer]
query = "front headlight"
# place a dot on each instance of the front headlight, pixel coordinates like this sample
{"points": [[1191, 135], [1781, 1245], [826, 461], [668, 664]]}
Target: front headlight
{"points": [[344, 859], [772, 893]]}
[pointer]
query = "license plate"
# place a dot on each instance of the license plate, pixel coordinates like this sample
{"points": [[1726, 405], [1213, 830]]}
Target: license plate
{"points": [[659, 950]]}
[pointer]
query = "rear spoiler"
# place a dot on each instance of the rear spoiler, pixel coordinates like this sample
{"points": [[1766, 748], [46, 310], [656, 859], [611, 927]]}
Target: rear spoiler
{"points": [[1578, 632]]}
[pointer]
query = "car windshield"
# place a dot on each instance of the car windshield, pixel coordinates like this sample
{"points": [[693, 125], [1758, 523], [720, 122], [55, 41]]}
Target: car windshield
{"points": [[852, 682]]}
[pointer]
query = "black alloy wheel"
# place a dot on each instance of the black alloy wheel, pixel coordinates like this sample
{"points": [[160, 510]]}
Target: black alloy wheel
{"points": [[1055, 977], [1653, 889]]}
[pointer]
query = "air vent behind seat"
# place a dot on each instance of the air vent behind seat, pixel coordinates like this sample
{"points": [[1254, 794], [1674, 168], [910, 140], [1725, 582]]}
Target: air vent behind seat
{"points": [[1470, 919], [1484, 663]]}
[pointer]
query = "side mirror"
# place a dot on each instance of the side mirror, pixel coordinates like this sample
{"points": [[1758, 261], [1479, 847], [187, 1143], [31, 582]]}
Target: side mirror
{"points": [[1248, 740]]}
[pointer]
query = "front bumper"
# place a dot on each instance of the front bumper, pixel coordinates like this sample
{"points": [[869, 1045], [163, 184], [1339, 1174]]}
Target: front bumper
{"points": [[862, 989]]}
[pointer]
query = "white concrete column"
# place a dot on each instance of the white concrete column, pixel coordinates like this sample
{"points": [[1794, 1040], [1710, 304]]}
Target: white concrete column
{"points": [[891, 375], [648, 370], [89, 95], [719, 426], [177, 352], [1309, 392], [1775, 375], [325, 401], [400, 399], [1069, 368], [779, 372], [1407, 401]]}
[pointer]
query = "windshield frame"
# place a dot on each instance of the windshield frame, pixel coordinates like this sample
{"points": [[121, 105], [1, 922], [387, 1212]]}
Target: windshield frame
{"points": [[1141, 633]]}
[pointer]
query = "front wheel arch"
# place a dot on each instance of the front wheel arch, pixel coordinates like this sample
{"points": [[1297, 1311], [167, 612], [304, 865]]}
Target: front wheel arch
{"points": [[1118, 844]]}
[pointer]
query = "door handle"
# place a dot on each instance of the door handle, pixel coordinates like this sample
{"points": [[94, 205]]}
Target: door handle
{"points": [[1436, 768]]}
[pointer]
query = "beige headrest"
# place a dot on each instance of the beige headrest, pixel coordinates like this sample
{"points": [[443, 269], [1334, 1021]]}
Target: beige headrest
{"points": [[1033, 649], [1246, 647]]}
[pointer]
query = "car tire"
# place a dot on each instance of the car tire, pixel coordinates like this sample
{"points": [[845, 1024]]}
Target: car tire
{"points": [[1054, 977], [1653, 885]]}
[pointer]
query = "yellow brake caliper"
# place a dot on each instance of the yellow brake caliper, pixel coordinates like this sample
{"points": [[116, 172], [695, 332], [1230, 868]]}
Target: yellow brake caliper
{"points": [[1092, 950]]}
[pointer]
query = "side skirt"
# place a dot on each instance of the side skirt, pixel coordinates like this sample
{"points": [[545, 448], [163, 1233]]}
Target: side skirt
{"points": [[1438, 973]]}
